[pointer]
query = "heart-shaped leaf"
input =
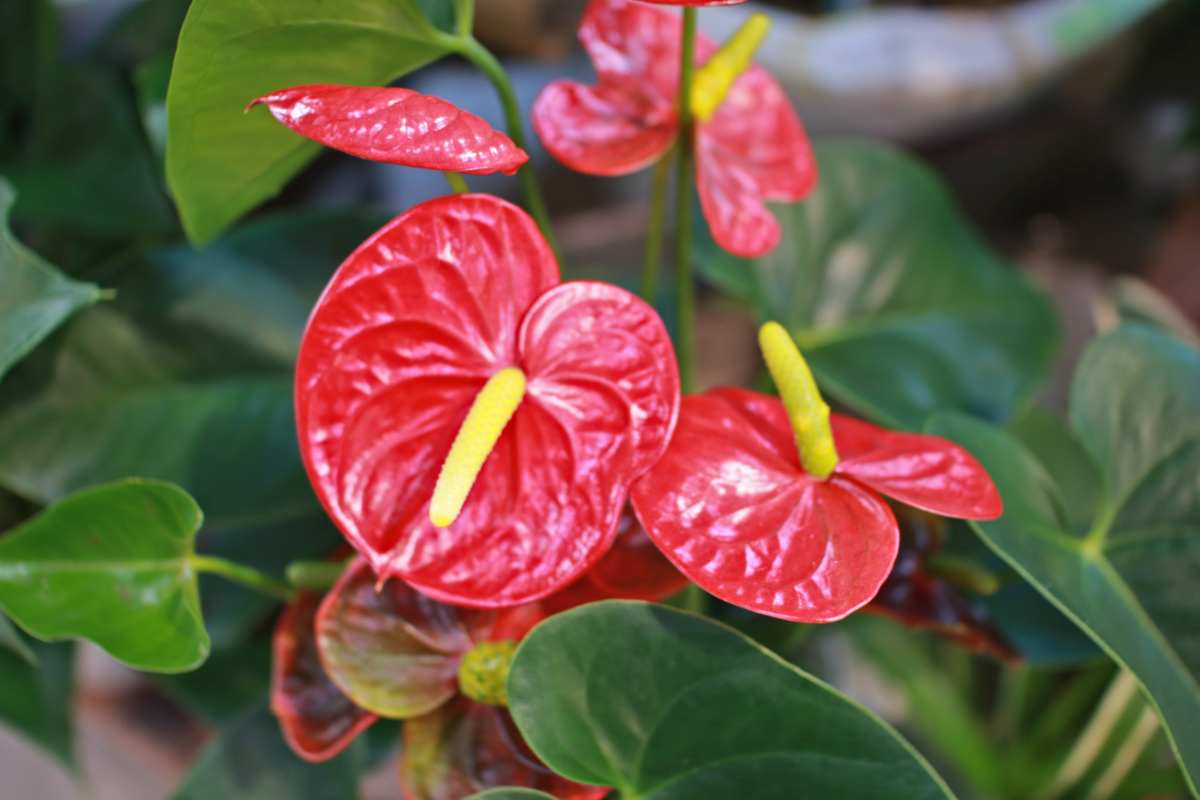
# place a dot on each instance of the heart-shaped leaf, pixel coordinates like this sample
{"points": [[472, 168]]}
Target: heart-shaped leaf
{"points": [[700, 712], [113, 565], [1127, 579], [36, 701], [898, 305], [35, 298], [221, 162], [250, 761]]}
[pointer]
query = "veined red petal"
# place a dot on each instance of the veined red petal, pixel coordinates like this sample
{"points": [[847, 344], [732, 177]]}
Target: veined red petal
{"points": [[731, 507], [317, 719], [412, 325], [465, 748], [738, 168], [395, 125], [392, 650], [600, 130], [927, 472]]}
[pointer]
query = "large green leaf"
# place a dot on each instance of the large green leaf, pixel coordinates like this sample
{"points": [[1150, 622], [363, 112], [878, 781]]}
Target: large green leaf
{"points": [[113, 565], [899, 306], [35, 298], [1129, 578], [36, 701], [664, 705], [222, 162], [250, 761]]}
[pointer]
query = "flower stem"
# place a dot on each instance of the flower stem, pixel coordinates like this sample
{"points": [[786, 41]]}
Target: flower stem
{"points": [[458, 184], [315, 576], [241, 574], [464, 17], [685, 286], [654, 236], [469, 48]]}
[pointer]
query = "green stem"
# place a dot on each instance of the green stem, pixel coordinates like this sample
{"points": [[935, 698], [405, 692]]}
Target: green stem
{"points": [[315, 576], [685, 286], [246, 576], [469, 48], [464, 17], [654, 236], [458, 184], [1125, 758]]}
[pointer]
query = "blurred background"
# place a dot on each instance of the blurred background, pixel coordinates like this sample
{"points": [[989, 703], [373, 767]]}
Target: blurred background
{"points": [[1068, 132]]}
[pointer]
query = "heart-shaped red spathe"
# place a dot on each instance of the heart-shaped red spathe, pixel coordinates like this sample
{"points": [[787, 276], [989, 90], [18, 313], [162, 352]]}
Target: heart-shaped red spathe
{"points": [[731, 506], [405, 336], [398, 126], [318, 720], [754, 148]]}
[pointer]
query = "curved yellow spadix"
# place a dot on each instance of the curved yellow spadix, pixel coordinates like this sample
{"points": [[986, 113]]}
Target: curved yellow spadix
{"points": [[493, 408], [805, 407], [714, 80]]}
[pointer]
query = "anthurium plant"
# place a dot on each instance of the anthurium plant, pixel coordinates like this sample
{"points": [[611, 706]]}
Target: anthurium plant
{"points": [[432, 477]]}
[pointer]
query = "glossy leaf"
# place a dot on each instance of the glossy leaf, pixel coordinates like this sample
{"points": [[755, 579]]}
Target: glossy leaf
{"points": [[36, 701], [465, 747], [702, 712], [394, 651], [395, 125], [407, 333], [250, 761], [317, 719], [111, 565], [897, 304], [35, 298], [221, 162], [1127, 579]]}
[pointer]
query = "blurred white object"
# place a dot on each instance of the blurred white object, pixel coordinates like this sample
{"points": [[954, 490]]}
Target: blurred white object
{"points": [[907, 73]]}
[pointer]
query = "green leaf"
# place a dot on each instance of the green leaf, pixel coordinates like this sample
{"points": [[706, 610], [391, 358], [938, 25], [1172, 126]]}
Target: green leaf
{"points": [[512, 793], [112, 565], [36, 701], [35, 298], [250, 761], [663, 704], [900, 307], [9, 638], [1129, 579], [222, 162]]}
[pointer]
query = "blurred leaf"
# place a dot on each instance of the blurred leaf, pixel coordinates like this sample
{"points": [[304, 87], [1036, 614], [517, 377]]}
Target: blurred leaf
{"points": [[28, 50], [700, 712], [35, 298], [228, 685], [111, 565], [510, 793], [147, 30], [36, 701], [1129, 580], [898, 305], [222, 162], [250, 761], [1135, 300], [10, 639], [87, 166]]}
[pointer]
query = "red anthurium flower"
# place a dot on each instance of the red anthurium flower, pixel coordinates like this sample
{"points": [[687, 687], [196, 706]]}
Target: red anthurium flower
{"points": [[470, 423], [775, 506], [750, 148], [695, 2], [398, 126], [392, 652], [924, 599], [317, 719]]}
